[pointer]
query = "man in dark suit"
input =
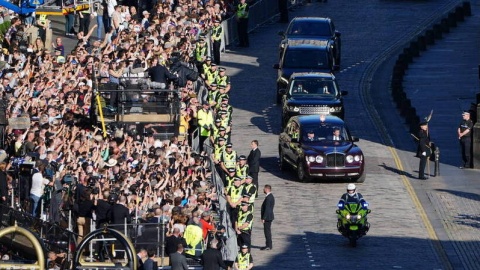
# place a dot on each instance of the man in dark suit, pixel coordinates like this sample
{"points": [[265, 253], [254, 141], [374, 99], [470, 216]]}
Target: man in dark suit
{"points": [[178, 261], [267, 216], [212, 257], [150, 263], [172, 242], [253, 161], [120, 212]]}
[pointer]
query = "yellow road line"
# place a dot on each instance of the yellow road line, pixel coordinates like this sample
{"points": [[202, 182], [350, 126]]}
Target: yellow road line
{"points": [[423, 215]]}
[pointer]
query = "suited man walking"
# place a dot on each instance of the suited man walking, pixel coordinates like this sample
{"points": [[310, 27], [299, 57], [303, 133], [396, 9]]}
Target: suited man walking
{"points": [[178, 261], [253, 161], [267, 216], [212, 257]]}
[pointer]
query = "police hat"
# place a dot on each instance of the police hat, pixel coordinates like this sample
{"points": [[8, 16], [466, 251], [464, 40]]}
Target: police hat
{"points": [[213, 84], [221, 86], [225, 98], [218, 120], [202, 40], [222, 112], [246, 195], [221, 139], [229, 145], [221, 69], [208, 58], [213, 65], [465, 113], [242, 157], [224, 105], [423, 123], [222, 129], [249, 177], [245, 203], [244, 246], [232, 170]]}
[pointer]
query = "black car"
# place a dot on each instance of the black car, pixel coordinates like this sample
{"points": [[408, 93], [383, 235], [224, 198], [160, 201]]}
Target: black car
{"points": [[312, 93], [303, 56], [313, 28], [320, 146]]}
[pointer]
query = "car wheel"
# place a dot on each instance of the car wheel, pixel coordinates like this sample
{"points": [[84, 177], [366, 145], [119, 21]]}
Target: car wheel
{"points": [[281, 162], [301, 173], [362, 178]]}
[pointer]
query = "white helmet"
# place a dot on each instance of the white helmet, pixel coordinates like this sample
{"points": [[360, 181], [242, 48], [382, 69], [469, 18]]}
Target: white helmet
{"points": [[351, 187]]}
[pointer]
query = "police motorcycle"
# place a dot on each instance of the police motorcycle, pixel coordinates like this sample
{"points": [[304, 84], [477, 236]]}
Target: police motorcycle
{"points": [[352, 220]]}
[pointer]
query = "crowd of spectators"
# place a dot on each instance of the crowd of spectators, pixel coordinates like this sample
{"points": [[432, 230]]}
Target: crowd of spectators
{"points": [[156, 180]]}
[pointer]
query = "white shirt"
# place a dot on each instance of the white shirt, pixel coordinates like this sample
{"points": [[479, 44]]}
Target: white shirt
{"points": [[38, 184]]}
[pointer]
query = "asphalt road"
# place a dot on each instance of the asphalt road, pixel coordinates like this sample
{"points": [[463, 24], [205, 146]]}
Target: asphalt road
{"points": [[406, 227]]}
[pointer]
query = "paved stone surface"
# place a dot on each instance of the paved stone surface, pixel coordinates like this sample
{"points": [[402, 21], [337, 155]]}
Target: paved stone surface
{"points": [[445, 78], [305, 235], [304, 231]]}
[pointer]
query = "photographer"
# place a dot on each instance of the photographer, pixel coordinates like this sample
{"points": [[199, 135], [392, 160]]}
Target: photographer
{"points": [[38, 185]]}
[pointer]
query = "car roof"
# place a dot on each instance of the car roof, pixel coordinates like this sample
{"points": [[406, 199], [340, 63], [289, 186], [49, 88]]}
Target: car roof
{"points": [[297, 75], [325, 19], [315, 119], [308, 43]]}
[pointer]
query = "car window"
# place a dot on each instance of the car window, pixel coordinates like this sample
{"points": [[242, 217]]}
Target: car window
{"points": [[293, 130], [306, 59], [323, 132], [309, 28], [320, 87]]}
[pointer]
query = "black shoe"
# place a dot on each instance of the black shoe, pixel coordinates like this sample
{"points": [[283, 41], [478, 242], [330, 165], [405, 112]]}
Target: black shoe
{"points": [[265, 248], [423, 178]]}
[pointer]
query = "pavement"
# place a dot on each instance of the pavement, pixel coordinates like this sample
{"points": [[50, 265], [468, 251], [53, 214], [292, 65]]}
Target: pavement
{"points": [[445, 79]]}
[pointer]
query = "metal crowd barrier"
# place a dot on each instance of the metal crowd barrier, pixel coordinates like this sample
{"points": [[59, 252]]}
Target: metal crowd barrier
{"points": [[230, 252]]}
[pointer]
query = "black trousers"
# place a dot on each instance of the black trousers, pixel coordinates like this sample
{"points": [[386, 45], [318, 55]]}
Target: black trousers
{"points": [[267, 230], [84, 24], [243, 32], [283, 8], [244, 238], [466, 147], [421, 167], [254, 176], [216, 51]]}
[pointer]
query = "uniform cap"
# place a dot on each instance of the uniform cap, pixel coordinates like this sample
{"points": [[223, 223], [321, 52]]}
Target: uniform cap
{"points": [[221, 139], [242, 157], [222, 129], [249, 177], [213, 65], [466, 113], [245, 203], [213, 84], [244, 246], [218, 120], [225, 98], [246, 195], [229, 145], [208, 58], [221, 112], [232, 170], [221, 69], [237, 179]]}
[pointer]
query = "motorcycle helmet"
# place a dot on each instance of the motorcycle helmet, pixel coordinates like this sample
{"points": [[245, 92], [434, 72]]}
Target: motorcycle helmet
{"points": [[351, 187]]}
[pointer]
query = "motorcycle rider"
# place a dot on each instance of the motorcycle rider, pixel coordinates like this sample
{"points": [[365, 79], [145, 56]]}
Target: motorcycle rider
{"points": [[352, 196]]}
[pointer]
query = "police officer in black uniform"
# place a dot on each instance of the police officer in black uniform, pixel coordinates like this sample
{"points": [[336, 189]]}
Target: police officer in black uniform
{"points": [[424, 150], [464, 132]]}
